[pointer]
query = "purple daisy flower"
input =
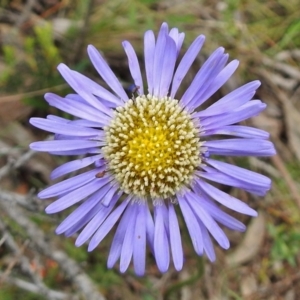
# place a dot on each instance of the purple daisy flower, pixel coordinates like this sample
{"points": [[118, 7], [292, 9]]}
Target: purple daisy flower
{"points": [[151, 155]]}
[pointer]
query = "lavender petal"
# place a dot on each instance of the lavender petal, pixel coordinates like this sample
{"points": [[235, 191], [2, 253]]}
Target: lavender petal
{"points": [[175, 239], [168, 67], [203, 74], [149, 53], [127, 246], [161, 245], [192, 225], [77, 109], [96, 222], [46, 146], [219, 81], [106, 226], [74, 196], [208, 245], [116, 246], [241, 147], [74, 165], [186, 63], [139, 243], [80, 213], [225, 199], [80, 85], [106, 73], [238, 131], [208, 221], [68, 185], [134, 66], [67, 129]]}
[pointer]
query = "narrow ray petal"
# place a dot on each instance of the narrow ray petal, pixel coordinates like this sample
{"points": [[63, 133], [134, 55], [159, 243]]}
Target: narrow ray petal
{"points": [[225, 199], [106, 73], [47, 146], [216, 69], [220, 216], [219, 81], [241, 147], [167, 68], [208, 221], [69, 184], [175, 239], [127, 246], [77, 109], [159, 59], [192, 225], [186, 63], [239, 131], [208, 245], [82, 211], [237, 97], [178, 39], [246, 111], [134, 66], [67, 129], [97, 90], [75, 196], [204, 73], [149, 53], [216, 176], [150, 229], [107, 226], [116, 246], [161, 245], [241, 173], [74, 165], [94, 150], [80, 85], [139, 243]]}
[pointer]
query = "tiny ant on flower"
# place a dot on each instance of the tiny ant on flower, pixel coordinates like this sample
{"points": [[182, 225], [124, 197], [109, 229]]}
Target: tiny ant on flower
{"points": [[100, 174]]}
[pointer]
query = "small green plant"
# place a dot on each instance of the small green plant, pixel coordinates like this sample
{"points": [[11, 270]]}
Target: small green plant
{"points": [[286, 243], [31, 67]]}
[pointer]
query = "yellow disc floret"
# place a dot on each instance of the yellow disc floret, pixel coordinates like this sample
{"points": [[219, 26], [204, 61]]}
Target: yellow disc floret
{"points": [[153, 147]]}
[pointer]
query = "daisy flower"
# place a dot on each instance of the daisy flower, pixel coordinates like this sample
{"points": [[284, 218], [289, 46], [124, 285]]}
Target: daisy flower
{"points": [[150, 156]]}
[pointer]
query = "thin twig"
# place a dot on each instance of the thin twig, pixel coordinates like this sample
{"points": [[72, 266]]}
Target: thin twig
{"points": [[81, 36], [25, 285], [15, 164], [14, 261], [279, 287], [85, 286], [26, 11], [277, 161], [282, 67], [28, 202], [37, 286], [18, 97], [263, 166]]}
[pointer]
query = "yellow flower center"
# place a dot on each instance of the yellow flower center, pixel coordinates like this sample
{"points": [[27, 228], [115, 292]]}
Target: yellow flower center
{"points": [[153, 147]]}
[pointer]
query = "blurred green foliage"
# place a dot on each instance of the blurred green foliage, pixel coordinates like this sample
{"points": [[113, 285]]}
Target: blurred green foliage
{"points": [[36, 61], [250, 29], [286, 243], [13, 293]]}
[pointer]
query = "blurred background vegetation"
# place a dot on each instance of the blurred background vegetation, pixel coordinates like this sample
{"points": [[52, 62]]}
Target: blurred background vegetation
{"points": [[36, 35]]}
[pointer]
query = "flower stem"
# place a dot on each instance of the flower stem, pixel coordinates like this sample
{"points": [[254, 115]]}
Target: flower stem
{"points": [[180, 284]]}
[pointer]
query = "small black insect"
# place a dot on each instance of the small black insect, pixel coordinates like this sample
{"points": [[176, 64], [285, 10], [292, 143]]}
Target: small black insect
{"points": [[132, 90]]}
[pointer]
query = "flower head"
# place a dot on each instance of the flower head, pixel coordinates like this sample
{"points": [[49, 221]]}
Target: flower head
{"points": [[151, 154]]}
